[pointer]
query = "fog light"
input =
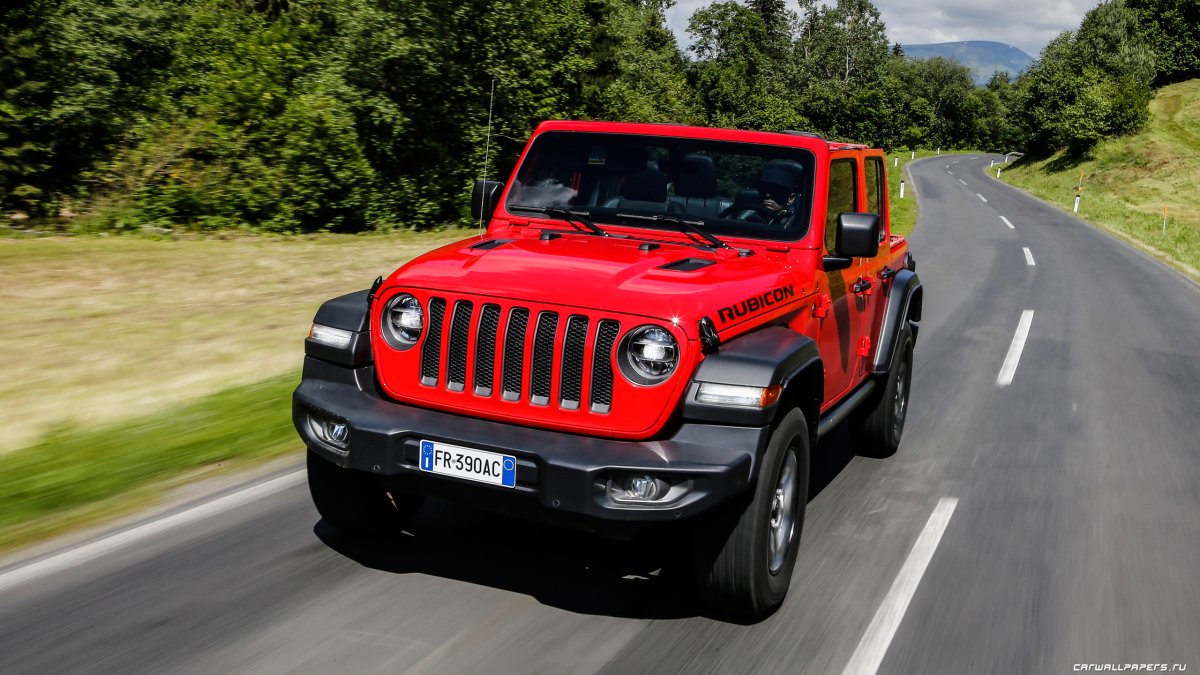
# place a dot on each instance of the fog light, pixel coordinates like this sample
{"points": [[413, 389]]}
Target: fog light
{"points": [[644, 488], [337, 432], [331, 431], [637, 488]]}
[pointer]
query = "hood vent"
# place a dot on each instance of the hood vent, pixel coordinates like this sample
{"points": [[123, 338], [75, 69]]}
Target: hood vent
{"points": [[489, 244], [687, 265]]}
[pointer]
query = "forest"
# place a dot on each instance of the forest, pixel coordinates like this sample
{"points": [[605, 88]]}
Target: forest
{"points": [[353, 115]]}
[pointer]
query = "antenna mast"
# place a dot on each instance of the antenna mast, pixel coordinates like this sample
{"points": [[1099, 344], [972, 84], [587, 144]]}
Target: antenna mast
{"points": [[487, 149]]}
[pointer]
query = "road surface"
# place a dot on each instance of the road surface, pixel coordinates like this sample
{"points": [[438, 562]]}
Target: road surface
{"points": [[1043, 512]]}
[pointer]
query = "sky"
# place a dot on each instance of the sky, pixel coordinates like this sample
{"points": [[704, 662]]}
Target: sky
{"points": [[1025, 24]]}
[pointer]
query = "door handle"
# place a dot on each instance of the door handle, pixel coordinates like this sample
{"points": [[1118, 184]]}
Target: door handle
{"points": [[863, 285]]}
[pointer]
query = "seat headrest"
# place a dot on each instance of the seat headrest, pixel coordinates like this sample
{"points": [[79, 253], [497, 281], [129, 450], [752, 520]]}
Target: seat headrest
{"points": [[696, 176], [647, 185]]}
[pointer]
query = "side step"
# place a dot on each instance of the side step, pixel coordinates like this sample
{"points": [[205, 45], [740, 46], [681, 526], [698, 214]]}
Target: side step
{"points": [[841, 411]]}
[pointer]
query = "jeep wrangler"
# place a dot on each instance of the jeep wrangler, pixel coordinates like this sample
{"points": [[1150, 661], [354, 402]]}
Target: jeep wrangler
{"points": [[658, 327]]}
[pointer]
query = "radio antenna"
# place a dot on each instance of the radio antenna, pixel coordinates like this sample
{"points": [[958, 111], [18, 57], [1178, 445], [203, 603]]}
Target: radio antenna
{"points": [[487, 149]]}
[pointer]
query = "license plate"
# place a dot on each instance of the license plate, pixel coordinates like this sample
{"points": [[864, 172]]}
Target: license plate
{"points": [[477, 465]]}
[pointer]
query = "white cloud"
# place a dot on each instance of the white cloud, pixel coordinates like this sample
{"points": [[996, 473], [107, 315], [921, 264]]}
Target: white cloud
{"points": [[1026, 24]]}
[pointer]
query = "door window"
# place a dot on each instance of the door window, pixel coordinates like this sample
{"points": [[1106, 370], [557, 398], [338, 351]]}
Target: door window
{"points": [[843, 197]]}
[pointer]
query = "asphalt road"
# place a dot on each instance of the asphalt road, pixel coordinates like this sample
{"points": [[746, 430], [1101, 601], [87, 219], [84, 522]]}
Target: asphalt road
{"points": [[1075, 538]]}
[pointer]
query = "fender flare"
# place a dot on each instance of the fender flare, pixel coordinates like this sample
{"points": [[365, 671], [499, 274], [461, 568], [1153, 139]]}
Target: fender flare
{"points": [[763, 358], [348, 312], [905, 297]]}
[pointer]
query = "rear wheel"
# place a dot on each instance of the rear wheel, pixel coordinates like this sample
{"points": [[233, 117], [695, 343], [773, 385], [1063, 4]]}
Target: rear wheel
{"points": [[355, 502], [877, 431], [747, 552]]}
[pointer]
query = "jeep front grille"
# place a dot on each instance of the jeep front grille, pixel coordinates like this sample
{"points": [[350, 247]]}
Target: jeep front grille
{"points": [[503, 339]]}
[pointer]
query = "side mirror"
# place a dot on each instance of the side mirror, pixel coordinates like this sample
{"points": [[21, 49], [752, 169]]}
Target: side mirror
{"points": [[858, 235], [484, 198]]}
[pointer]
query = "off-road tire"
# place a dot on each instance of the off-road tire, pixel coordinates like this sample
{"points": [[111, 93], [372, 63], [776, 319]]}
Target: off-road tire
{"points": [[877, 429], [734, 549], [354, 502]]}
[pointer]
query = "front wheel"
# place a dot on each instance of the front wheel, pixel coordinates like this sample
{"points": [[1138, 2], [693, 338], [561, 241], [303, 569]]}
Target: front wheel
{"points": [[747, 552], [355, 502]]}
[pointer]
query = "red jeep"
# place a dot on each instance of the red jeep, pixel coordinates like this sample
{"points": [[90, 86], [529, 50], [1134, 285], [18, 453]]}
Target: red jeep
{"points": [[659, 325]]}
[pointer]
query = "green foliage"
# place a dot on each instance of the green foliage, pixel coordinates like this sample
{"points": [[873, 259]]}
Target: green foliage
{"points": [[305, 115], [1172, 29], [1090, 84]]}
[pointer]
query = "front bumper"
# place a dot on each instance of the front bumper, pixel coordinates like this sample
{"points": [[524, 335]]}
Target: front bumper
{"points": [[560, 477]]}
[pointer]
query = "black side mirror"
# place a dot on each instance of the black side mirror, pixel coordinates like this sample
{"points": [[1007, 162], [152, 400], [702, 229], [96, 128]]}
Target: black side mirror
{"points": [[857, 236], [484, 198]]}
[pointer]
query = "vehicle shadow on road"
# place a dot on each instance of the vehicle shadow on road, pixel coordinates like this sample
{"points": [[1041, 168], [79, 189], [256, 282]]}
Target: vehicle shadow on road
{"points": [[569, 570], [647, 578]]}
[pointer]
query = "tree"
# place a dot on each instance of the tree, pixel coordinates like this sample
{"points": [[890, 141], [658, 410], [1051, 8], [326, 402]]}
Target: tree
{"points": [[1172, 28]]}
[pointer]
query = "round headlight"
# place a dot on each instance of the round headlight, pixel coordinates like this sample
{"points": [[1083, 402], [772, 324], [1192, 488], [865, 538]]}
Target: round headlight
{"points": [[649, 355], [403, 320]]}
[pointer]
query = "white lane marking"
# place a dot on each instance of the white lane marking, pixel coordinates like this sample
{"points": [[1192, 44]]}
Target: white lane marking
{"points": [[1009, 369], [1010, 225], [981, 197], [1029, 257], [962, 181], [82, 554], [874, 643]]}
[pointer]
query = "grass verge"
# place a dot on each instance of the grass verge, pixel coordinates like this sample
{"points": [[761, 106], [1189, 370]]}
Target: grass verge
{"points": [[1128, 181], [76, 477]]}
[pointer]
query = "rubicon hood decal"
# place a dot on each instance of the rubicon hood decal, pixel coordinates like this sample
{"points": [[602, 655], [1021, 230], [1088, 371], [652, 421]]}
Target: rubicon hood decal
{"points": [[756, 303]]}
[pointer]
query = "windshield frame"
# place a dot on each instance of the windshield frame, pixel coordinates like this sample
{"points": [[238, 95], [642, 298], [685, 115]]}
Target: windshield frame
{"points": [[801, 160]]}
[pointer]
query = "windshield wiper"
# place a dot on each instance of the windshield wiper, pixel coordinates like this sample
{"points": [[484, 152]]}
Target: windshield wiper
{"points": [[572, 217], [686, 226]]}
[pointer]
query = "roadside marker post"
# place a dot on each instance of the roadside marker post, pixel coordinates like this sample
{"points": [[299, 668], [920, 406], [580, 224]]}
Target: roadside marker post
{"points": [[895, 161], [913, 155], [1076, 203], [901, 189], [939, 152], [1164, 230], [997, 172]]}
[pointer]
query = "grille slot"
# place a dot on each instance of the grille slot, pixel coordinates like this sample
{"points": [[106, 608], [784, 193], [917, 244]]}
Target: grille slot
{"points": [[460, 332], [571, 384], [514, 353], [485, 350], [602, 374], [431, 351], [543, 358]]}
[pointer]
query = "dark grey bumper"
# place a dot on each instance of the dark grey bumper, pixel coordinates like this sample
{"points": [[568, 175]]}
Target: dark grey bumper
{"points": [[560, 476]]}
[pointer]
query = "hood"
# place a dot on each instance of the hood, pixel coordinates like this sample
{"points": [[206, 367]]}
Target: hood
{"points": [[661, 280]]}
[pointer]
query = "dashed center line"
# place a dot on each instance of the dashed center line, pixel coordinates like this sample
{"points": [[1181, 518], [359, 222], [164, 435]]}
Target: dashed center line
{"points": [[1009, 369], [875, 641], [1010, 225], [1029, 257], [981, 197], [962, 181]]}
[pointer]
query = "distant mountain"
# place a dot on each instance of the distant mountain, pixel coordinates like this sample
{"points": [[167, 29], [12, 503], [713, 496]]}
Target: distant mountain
{"points": [[981, 56]]}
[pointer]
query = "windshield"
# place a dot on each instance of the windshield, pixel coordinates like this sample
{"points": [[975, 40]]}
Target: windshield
{"points": [[736, 189]]}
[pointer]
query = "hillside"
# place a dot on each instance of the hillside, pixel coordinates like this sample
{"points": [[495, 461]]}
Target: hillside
{"points": [[1128, 181], [981, 56]]}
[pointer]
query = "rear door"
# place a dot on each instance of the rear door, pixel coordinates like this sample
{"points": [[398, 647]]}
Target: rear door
{"points": [[871, 301]]}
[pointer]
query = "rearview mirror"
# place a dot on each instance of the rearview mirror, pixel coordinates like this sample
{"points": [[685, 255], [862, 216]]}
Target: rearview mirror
{"points": [[484, 198]]}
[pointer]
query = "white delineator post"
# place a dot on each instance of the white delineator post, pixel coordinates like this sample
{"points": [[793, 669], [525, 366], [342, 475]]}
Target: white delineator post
{"points": [[939, 152], [913, 155], [1164, 220], [997, 172], [901, 189], [1076, 203], [895, 161]]}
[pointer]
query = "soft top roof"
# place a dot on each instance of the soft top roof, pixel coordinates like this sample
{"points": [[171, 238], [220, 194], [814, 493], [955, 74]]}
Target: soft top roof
{"points": [[795, 139]]}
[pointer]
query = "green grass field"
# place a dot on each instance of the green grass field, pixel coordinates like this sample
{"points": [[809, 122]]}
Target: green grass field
{"points": [[1128, 181]]}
